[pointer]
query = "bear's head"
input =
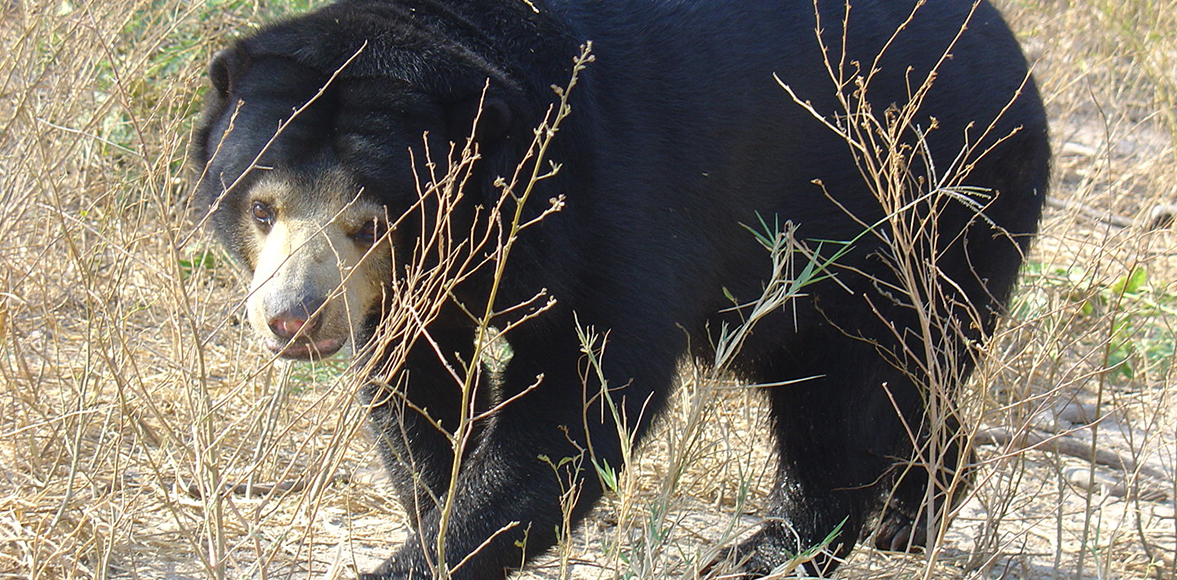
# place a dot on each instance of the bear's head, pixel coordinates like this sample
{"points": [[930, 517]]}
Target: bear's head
{"points": [[312, 154]]}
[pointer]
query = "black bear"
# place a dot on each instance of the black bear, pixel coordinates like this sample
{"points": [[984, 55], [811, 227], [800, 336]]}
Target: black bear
{"points": [[697, 121]]}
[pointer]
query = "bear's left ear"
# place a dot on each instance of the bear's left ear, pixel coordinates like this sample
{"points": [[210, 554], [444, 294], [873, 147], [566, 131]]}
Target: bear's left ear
{"points": [[493, 116]]}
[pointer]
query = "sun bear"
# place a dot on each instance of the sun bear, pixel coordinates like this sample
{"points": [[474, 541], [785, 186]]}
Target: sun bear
{"points": [[695, 123]]}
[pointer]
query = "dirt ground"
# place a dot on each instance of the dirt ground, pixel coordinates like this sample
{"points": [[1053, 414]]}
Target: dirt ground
{"points": [[130, 385]]}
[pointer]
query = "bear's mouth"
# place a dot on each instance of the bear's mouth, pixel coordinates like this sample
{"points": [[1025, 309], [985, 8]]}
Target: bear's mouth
{"points": [[302, 349]]}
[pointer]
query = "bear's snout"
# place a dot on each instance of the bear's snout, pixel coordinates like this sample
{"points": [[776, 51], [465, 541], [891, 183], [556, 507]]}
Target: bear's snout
{"points": [[293, 327]]}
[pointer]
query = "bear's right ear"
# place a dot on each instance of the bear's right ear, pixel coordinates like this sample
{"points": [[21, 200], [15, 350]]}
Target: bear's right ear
{"points": [[225, 69], [492, 113]]}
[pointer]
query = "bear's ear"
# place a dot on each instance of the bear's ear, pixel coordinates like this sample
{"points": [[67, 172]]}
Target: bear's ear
{"points": [[225, 69], [493, 120]]}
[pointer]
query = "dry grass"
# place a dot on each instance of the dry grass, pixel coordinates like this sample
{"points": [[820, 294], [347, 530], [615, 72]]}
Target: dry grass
{"points": [[130, 389]]}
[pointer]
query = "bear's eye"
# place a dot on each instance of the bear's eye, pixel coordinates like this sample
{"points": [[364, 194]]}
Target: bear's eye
{"points": [[262, 213], [368, 233]]}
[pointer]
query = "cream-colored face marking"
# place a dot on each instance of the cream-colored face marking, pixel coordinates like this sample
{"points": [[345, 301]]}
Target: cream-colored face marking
{"points": [[317, 274]]}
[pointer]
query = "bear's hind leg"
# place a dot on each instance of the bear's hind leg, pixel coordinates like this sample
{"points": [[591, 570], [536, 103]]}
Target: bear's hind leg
{"points": [[840, 433]]}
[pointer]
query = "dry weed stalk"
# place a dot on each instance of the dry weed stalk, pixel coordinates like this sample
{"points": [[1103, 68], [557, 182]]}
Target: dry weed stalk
{"points": [[890, 148], [443, 260]]}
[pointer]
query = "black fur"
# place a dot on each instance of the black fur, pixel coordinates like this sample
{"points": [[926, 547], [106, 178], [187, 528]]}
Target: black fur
{"points": [[679, 137]]}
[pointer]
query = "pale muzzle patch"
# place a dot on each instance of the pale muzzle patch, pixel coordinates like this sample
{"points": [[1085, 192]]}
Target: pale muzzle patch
{"points": [[321, 263]]}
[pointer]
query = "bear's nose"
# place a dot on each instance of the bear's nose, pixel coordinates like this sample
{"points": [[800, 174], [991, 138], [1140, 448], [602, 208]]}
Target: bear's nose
{"points": [[298, 320], [287, 326]]}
